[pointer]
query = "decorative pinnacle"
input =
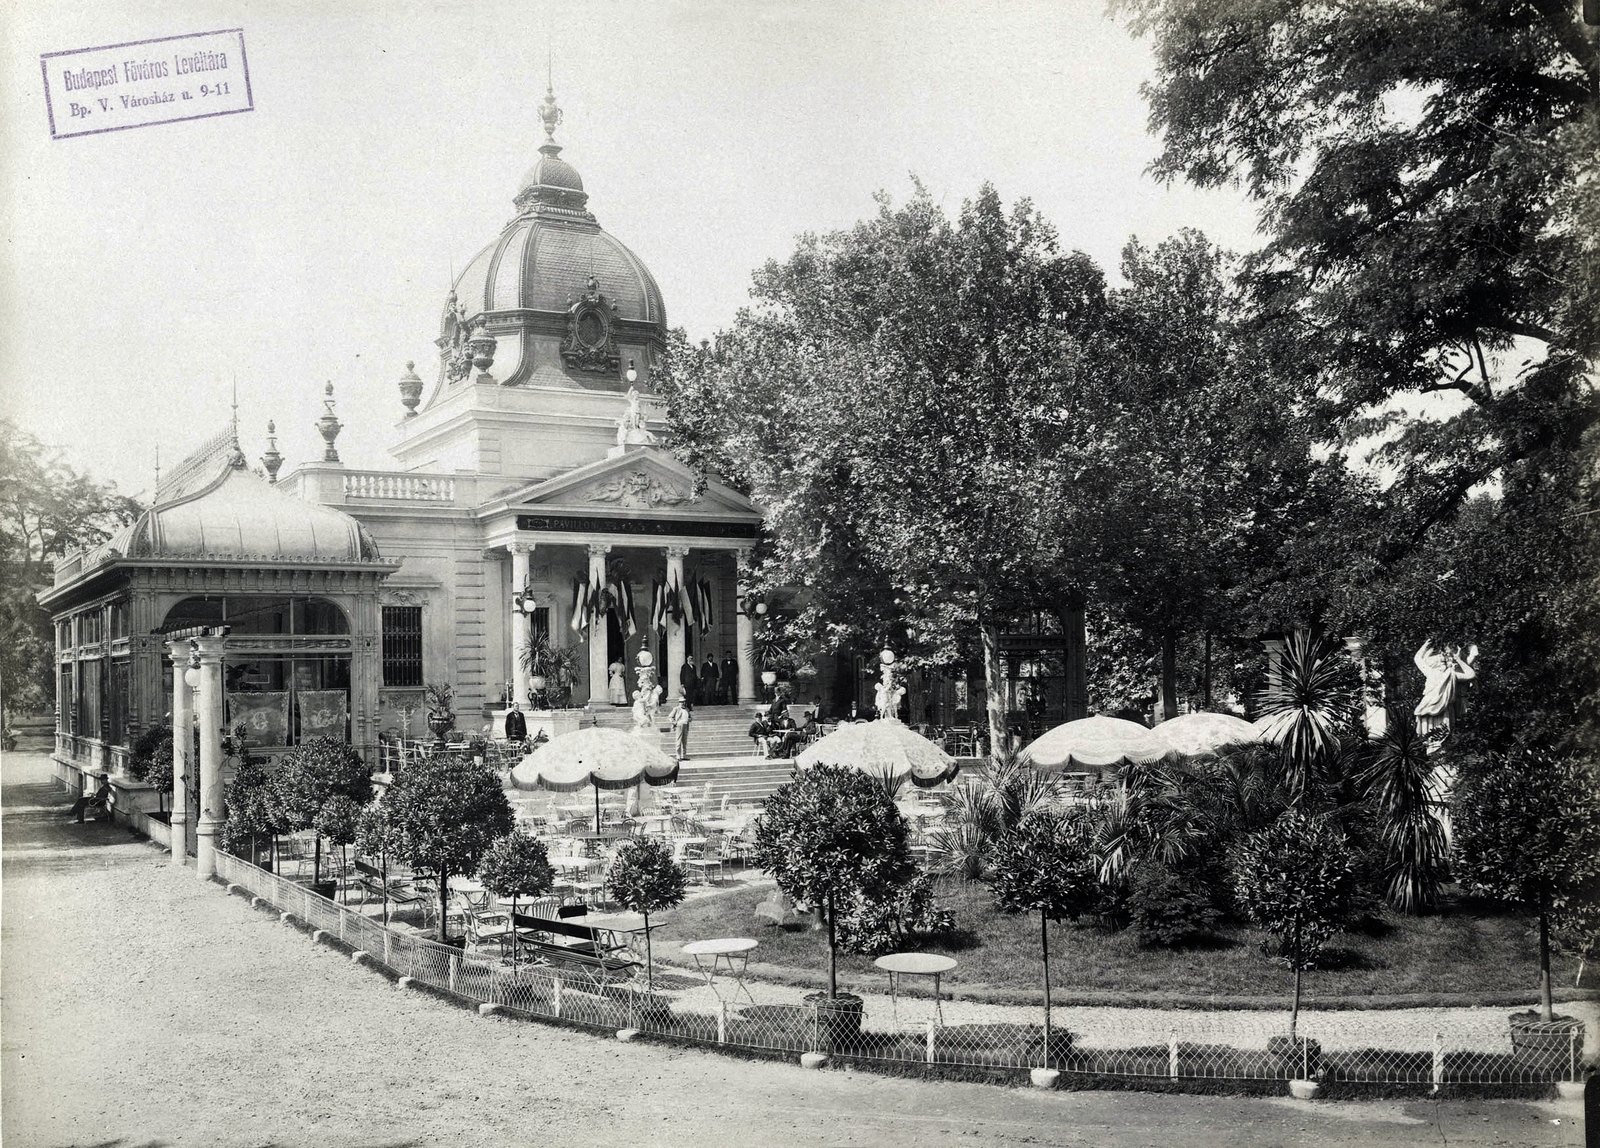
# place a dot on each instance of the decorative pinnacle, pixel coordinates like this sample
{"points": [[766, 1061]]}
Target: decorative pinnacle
{"points": [[272, 460], [550, 114], [329, 426]]}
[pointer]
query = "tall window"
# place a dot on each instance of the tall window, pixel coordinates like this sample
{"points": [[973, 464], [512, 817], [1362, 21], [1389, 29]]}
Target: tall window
{"points": [[402, 645]]}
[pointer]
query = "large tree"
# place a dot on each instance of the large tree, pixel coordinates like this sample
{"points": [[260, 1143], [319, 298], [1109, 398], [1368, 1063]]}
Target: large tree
{"points": [[47, 510], [1427, 175]]}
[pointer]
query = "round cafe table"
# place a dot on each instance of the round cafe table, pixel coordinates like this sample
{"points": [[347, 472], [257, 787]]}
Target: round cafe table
{"points": [[735, 951], [899, 965]]}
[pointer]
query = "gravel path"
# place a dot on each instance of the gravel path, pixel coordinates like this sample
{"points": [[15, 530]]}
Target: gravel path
{"points": [[144, 1008]]}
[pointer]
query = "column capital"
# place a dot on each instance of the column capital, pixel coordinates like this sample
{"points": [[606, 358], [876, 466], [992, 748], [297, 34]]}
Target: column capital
{"points": [[678, 552], [599, 549], [521, 547], [178, 649], [208, 649]]}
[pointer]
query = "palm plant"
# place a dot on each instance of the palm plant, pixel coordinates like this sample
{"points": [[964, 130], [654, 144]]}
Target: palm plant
{"points": [[1312, 699], [979, 812], [541, 657], [1399, 784]]}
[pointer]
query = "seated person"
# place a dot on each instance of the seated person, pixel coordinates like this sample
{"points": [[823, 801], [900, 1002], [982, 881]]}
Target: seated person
{"points": [[761, 733], [811, 730], [786, 735], [99, 801]]}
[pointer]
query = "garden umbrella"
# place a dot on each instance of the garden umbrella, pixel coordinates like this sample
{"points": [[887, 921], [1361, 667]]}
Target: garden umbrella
{"points": [[603, 758], [884, 748], [1196, 735], [1095, 742]]}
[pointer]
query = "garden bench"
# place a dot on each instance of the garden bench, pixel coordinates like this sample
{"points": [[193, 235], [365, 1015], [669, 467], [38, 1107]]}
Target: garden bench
{"points": [[580, 947]]}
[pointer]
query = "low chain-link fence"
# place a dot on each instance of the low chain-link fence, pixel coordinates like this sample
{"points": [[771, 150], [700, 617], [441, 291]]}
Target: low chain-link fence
{"points": [[1171, 1045]]}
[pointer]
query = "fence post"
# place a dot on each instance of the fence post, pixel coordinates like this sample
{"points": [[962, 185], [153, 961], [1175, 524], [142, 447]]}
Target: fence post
{"points": [[455, 970], [556, 982], [816, 1027], [1572, 1053], [722, 1022], [632, 1013], [388, 954], [1172, 1054], [933, 1027], [1438, 1060], [342, 915]]}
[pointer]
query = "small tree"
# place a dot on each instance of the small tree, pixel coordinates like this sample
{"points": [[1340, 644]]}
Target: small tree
{"points": [[646, 879], [1297, 880], [829, 837], [376, 837], [338, 820], [446, 812], [151, 760], [251, 807], [516, 866], [316, 773], [1047, 865], [1527, 829], [1308, 703]]}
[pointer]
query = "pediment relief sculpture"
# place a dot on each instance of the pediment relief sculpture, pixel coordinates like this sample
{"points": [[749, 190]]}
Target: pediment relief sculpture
{"points": [[637, 489]]}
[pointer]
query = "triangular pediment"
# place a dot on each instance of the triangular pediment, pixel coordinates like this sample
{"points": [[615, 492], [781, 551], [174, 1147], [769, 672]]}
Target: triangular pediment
{"points": [[643, 481]]}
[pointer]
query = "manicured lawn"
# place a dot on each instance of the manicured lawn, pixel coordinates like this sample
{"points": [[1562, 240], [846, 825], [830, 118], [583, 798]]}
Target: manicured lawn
{"points": [[1471, 948]]}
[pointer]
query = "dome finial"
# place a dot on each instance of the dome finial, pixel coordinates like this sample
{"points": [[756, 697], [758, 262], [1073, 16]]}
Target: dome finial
{"points": [[550, 113]]}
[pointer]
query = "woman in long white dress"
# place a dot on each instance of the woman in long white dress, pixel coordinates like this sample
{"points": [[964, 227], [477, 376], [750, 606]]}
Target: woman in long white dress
{"points": [[617, 688]]}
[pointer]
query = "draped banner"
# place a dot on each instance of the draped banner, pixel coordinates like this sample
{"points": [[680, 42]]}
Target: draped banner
{"points": [[580, 607], [322, 713], [265, 717], [622, 595], [658, 605], [703, 596]]}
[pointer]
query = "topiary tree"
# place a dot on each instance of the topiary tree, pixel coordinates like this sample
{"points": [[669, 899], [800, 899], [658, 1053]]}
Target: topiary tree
{"points": [[516, 866], [151, 760], [252, 810], [1047, 865], [338, 820], [1296, 879], [1527, 831], [830, 837], [311, 776], [376, 837], [646, 879], [446, 812]]}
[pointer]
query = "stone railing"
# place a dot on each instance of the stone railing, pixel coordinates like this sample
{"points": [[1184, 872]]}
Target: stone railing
{"points": [[386, 487]]}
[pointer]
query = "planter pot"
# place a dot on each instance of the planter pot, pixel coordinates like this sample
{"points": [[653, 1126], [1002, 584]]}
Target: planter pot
{"points": [[456, 942], [325, 888], [441, 724], [1554, 1046], [1300, 1058], [1304, 1089], [1043, 1077], [838, 1020]]}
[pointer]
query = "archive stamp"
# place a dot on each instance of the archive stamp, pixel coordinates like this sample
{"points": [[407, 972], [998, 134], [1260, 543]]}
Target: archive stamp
{"points": [[145, 82]]}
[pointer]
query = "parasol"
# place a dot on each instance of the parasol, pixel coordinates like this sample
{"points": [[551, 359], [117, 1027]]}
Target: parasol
{"points": [[1095, 742], [1199, 734], [603, 758], [885, 747]]}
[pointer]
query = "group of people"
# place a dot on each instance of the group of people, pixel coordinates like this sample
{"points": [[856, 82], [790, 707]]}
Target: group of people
{"points": [[707, 684], [776, 733]]}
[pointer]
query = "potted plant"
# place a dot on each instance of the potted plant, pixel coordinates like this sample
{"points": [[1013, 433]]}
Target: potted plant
{"points": [[307, 780], [252, 810], [337, 820], [151, 761], [1296, 879], [446, 812], [441, 713], [832, 837], [551, 669], [1527, 832], [1047, 865], [646, 879], [517, 866]]}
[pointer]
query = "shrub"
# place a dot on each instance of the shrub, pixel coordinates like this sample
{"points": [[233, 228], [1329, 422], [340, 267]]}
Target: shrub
{"points": [[251, 808], [1170, 908], [307, 779], [882, 923], [150, 760]]}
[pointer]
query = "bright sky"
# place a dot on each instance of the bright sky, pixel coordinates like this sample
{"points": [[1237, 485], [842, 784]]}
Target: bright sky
{"points": [[313, 238]]}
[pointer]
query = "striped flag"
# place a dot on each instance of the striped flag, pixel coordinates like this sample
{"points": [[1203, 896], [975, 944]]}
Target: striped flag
{"points": [[658, 605], [580, 607], [704, 589], [622, 593]]}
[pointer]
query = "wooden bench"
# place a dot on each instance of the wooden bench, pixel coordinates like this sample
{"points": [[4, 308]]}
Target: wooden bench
{"points": [[568, 944], [371, 880]]}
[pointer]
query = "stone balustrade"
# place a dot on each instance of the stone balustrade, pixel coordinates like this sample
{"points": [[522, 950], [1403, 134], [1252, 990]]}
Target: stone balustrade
{"points": [[387, 487]]}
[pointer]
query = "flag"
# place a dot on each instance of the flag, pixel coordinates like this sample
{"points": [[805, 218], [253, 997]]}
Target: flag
{"points": [[704, 589], [658, 605], [622, 591], [580, 608]]}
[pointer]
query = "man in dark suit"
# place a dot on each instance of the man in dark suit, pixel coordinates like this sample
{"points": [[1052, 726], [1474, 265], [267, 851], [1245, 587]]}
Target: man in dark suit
{"points": [[689, 681], [710, 690], [516, 724], [730, 679]]}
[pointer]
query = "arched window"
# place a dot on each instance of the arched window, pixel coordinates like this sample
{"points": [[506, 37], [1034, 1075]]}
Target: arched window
{"points": [[260, 614]]}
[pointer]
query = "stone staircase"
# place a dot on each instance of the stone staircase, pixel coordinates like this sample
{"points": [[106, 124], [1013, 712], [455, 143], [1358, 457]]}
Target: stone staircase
{"points": [[37, 734], [720, 753]]}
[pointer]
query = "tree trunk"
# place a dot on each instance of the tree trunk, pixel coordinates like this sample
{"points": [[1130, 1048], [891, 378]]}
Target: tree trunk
{"points": [[1075, 632], [316, 858], [994, 693], [444, 903], [1044, 948], [1294, 1013], [1545, 1006], [1206, 673], [1169, 675], [649, 957], [833, 951]]}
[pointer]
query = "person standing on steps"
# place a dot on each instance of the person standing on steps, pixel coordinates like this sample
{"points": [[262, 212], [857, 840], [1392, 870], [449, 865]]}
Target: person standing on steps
{"points": [[516, 724], [730, 678], [688, 681], [682, 714], [710, 690]]}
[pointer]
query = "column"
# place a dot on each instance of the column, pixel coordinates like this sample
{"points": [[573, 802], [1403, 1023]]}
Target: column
{"points": [[745, 635], [675, 636], [182, 741], [208, 705], [519, 621], [598, 654]]}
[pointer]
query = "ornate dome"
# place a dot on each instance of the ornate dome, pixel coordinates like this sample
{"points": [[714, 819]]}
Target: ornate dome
{"points": [[567, 303]]}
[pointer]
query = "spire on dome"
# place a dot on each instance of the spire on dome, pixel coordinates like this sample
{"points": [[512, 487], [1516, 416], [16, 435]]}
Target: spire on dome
{"points": [[552, 184], [550, 113]]}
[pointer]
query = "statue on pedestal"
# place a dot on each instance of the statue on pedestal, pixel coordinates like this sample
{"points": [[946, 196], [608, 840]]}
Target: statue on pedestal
{"points": [[645, 703], [1441, 670], [887, 696]]}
